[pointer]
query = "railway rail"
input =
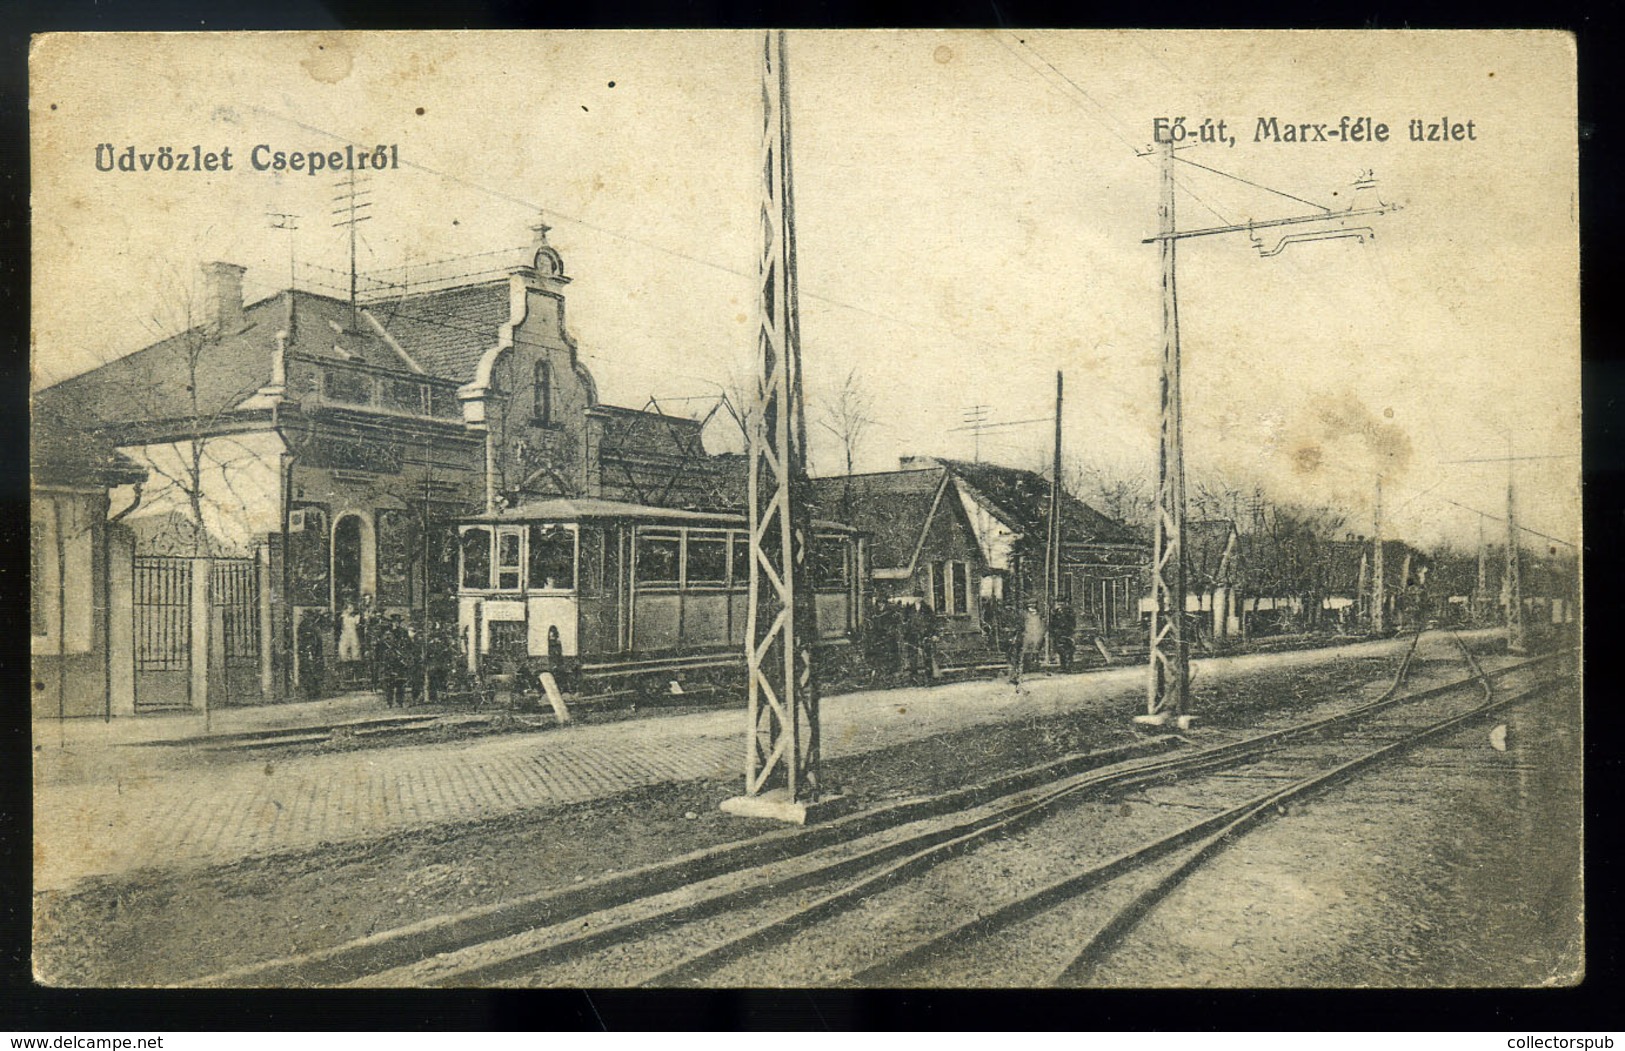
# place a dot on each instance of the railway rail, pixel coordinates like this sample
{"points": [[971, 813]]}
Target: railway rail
{"points": [[720, 921]]}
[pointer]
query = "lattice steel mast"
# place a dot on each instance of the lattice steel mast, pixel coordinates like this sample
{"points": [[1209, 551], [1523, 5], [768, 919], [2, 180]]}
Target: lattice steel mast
{"points": [[781, 745], [1168, 691]]}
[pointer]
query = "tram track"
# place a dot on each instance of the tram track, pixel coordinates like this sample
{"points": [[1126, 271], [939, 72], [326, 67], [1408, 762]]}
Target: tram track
{"points": [[920, 956], [682, 934]]}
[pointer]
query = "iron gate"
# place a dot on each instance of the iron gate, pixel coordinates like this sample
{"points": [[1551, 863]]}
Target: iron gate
{"points": [[234, 596], [165, 627], [163, 632]]}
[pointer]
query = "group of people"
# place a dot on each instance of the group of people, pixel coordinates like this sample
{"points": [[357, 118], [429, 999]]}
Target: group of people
{"points": [[370, 649], [901, 638], [1020, 633]]}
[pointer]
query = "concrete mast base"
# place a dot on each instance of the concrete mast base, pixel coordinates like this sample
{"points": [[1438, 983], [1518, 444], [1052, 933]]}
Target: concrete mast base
{"points": [[776, 805]]}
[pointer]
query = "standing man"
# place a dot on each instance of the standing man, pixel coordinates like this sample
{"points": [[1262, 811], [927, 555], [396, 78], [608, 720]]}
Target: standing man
{"points": [[1032, 635], [1010, 631], [1063, 624]]}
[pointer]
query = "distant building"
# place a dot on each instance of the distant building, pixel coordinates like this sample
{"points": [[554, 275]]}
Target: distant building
{"points": [[337, 447], [960, 538], [1348, 583], [79, 573]]}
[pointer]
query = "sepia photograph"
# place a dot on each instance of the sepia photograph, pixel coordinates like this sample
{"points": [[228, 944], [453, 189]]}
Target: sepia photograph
{"points": [[806, 509]]}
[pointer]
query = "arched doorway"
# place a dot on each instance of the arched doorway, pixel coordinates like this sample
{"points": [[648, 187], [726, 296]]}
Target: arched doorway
{"points": [[347, 548]]}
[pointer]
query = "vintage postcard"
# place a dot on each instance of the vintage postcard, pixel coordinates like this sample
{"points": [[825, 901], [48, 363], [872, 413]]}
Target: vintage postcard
{"points": [[978, 508]]}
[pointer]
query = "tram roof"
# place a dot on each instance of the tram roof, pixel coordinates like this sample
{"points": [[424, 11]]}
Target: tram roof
{"points": [[575, 509]]}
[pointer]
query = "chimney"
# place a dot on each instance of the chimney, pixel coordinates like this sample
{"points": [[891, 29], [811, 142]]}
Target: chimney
{"points": [[225, 293]]}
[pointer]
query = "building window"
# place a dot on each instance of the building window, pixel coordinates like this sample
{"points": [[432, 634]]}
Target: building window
{"points": [[950, 588], [60, 589], [402, 395], [399, 548], [542, 395], [350, 388], [552, 558], [476, 558], [741, 560], [829, 562], [508, 559]]}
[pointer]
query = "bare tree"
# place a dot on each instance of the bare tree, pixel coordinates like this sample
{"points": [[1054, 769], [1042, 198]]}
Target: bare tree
{"points": [[848, 415], [1125, 496], [192, 461]]}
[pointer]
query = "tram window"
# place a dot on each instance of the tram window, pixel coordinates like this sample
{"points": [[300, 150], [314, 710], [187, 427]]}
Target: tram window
{"points": [[657, 559], [552, 558], [508, 560], [741, 560], [707, 559], [829, 562], [477, 558]]}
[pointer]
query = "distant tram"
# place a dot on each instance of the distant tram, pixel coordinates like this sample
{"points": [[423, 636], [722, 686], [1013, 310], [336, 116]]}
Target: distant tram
{"points": [[620, 588]]}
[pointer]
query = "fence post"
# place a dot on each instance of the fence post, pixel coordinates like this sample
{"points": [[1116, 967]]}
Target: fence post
{"points": [[262, 570], [120, 621], [201, 616]]}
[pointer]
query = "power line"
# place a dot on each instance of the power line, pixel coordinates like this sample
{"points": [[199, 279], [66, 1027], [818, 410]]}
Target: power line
{"points": [[1108, 126], [1249, 182], [1502, 518]]}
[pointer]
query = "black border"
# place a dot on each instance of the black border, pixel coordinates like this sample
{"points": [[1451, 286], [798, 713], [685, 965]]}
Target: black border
{"points": [[1591, 1006]]}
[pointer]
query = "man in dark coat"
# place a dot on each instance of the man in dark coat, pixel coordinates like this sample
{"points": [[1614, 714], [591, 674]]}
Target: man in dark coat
{"points": [[1063, 625]]}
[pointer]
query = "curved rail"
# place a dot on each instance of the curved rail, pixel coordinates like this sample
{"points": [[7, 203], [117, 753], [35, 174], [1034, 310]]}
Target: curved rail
{"points": [[1202, 840], [897, 857], [762, 934]]}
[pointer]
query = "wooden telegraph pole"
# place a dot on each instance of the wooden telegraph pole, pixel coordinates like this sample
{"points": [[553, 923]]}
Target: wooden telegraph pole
{"points": [[1379, 582], [1052, 539], [781, 738]]}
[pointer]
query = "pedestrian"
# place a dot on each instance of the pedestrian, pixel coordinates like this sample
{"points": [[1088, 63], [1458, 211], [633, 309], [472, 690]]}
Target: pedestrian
{"points": [[349, 635], [312, 652], [442, 659], [917, 629], [391, 640], [1032, 636], [1063, 624], [414, 643], [1010, 631]]}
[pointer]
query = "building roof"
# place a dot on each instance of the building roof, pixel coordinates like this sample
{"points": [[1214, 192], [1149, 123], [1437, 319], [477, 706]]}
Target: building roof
{"points": [[897, 508], [444, 332], [1022, 498], [448, 330], [893, 507], [59, 452]]}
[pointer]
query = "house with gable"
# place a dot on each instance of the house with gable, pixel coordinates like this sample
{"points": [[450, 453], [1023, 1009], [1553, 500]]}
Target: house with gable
{"points": [[961, 538], [328, 445]]}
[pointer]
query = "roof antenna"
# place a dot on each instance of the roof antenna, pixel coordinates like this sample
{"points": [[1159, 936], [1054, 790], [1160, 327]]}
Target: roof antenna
{"points": [[352, 209]]}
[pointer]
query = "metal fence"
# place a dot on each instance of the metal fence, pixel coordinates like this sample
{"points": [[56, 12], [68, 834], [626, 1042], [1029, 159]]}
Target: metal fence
{"points": [[165, 629], [163, 620], [234, 591]]}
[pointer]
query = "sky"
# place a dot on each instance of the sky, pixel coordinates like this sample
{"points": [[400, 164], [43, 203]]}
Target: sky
{"points": [[971, 210]]}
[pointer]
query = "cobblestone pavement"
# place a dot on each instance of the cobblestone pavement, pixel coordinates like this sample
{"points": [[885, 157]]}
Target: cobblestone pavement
{"points": [[138, 816]]}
